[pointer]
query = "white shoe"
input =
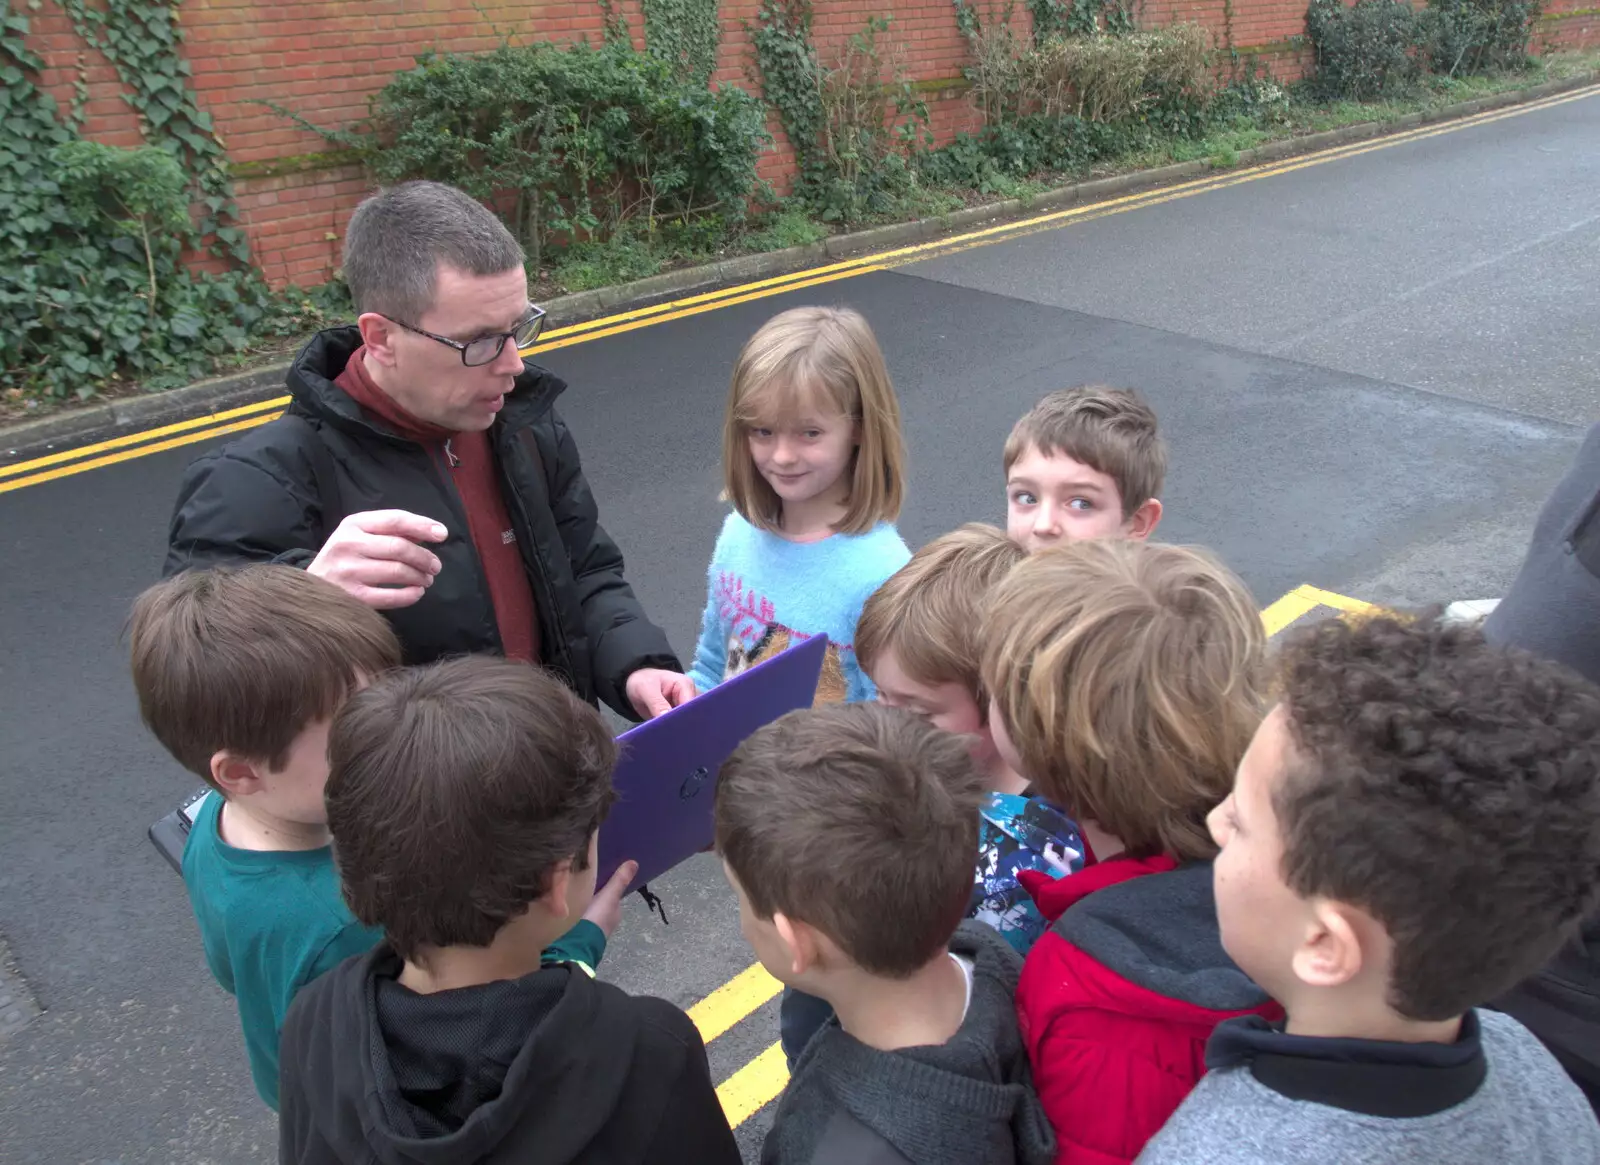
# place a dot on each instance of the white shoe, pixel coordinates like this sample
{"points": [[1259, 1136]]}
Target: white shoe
{"points": [[1469, 610]]}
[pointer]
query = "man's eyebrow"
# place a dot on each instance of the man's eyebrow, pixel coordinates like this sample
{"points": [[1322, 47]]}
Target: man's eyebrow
{"points": [[493, 329]]}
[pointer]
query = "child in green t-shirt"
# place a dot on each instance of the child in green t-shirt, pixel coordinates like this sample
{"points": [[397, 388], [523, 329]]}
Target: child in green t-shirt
{"points": [[239, 671]]}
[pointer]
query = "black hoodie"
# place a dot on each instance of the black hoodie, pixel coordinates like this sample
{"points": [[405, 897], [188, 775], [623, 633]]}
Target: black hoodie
{"points": [[554, 1067], [968, 1101]]}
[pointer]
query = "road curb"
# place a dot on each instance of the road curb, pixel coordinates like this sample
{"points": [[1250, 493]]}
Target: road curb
{"points": [[29, 439]]}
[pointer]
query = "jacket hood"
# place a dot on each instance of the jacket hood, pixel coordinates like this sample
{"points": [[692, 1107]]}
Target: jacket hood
{"points": [[313, 372], [468, 1076], [1158, 930], [974, 1089]]}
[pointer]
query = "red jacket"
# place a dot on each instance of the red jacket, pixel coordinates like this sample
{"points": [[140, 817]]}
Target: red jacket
{"points": [[1118, 998]]}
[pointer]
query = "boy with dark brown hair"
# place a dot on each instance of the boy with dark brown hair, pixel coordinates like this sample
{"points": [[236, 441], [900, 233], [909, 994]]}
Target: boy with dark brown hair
{"points": [[1084, 462], [238, 672], [1414, 828], [465, 800], [847, 832]]}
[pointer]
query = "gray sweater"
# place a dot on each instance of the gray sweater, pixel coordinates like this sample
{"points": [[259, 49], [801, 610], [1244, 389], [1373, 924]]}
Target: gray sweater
{"points": [[1525, 1110], [968, 1101]]}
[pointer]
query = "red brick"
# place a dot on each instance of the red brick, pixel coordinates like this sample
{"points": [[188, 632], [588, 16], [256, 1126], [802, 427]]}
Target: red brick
{"points": [[244, 52]]}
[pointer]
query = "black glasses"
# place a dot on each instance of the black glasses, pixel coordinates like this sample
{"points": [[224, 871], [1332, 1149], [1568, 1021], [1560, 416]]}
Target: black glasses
{"points": [[487, 349]]}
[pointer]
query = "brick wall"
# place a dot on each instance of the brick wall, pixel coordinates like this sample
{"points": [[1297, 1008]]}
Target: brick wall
{"points": [[1569, 24], [325, 58]]}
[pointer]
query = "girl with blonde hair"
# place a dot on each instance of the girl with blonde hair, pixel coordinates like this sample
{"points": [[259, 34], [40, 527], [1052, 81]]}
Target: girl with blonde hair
{"points": [[814, 466]]}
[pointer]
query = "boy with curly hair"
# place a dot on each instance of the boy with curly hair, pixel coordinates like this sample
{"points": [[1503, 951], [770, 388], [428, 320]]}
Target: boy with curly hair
{"points": [[1415, 827]]}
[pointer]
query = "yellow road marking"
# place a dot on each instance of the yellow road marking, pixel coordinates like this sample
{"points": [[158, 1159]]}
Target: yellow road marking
{"points": [[1304, 599], [82, 451], [113, 458], [734, 1000], [828, 276], [1027, 227], [1339, 602], [1000, 231], [24, 473], [1286, 610], [754, 1086]]}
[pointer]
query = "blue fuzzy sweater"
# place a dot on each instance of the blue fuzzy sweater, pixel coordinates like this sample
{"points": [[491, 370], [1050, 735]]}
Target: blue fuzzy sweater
{"points": [[766, 592]]}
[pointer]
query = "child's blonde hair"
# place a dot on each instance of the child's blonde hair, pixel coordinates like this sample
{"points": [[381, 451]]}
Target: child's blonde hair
{"points": [[810, 351], [928, 612], [1129, 678]]}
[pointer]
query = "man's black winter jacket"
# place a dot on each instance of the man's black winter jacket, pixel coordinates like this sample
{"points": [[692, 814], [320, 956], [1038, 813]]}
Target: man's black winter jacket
{"points": [[276, 494]]}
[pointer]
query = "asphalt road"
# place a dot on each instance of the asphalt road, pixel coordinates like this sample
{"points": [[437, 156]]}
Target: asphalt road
{"points": [[1370, 372]]}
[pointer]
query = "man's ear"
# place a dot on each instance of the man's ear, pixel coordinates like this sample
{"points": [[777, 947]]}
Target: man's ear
{"points": [[234, 775], [1332, 952], [1145, 519], [800, 941], [378, 333]]}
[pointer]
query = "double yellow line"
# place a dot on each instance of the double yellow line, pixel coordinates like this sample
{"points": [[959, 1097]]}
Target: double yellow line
{"points": [[759, 1082], [80, 460]]}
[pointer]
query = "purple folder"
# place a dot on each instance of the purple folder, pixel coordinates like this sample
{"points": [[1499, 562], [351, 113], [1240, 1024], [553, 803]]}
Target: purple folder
{"points": [[666, 770]]}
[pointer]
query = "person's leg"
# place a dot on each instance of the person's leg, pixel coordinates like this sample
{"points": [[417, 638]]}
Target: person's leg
{"points": [[800, 1016]]}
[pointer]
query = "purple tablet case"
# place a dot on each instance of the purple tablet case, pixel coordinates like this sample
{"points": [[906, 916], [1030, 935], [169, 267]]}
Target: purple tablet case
{"points": [[666, 770]]}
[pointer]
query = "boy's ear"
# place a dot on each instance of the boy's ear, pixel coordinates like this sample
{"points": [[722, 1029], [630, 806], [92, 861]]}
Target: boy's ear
{"points": [[553, 901], [1145, 519], [1332, 952], [234, 775], [799, 940]]}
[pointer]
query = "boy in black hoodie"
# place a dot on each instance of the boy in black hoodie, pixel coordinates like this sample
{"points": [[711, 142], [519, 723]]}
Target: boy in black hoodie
{"points": [[847, 832], [464, 802]]}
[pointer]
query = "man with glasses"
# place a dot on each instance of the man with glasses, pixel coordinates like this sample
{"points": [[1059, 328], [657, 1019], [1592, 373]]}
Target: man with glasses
{"points": [[423, 468]]}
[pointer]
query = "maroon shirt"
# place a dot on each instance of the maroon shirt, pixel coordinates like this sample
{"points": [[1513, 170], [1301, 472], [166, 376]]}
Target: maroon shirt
{"points": [[468, 460]]}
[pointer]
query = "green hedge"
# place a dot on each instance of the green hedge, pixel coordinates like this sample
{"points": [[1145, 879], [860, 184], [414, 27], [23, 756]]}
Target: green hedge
{"points": [[572, 143]]}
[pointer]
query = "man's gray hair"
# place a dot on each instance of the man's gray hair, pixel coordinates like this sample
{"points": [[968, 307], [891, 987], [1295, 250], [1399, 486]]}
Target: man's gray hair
{"points": [[397, 239]]}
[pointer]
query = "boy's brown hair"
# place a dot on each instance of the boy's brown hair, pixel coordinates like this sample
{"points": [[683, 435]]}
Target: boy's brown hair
{"points": [[1129, 678], [1111, 430], [456, 790], [1449, 788], [243, 658], [860, 820], [927, 613], [833, 353]]}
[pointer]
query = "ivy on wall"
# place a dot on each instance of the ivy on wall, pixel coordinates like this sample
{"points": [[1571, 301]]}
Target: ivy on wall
{"points": [[141, 39], [852, 120], [791, 75], [93, 286], [685, 34]]}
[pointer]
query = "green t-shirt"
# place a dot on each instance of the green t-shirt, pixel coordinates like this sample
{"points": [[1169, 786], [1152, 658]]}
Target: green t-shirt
{"points": [[273, 921], [270, 922]]}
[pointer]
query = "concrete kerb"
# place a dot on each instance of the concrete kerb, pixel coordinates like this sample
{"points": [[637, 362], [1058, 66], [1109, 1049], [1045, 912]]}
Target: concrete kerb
{"points": [[29, 439]]}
